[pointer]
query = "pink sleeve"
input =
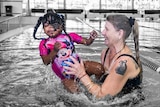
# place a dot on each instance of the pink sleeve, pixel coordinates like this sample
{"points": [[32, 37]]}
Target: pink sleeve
{"points": [[42, 48], [75, 37]]}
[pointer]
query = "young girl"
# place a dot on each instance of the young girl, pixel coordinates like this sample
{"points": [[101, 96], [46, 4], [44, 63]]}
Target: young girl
{"points": [[59, 46]]}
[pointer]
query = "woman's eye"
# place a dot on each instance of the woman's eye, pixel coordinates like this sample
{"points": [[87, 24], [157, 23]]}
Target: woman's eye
{"points": [[106, 28]]}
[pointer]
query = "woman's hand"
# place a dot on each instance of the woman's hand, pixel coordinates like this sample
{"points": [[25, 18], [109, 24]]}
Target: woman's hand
{"points": [[75, 68], [93, 34]]}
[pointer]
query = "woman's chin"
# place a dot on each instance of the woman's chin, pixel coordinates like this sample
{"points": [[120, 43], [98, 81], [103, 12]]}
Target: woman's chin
{"points": [[106, 42]]}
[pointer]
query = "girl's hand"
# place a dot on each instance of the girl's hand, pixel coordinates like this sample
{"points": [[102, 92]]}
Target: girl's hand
{"points": [[93, 34], [75, 68], [57, 46]]}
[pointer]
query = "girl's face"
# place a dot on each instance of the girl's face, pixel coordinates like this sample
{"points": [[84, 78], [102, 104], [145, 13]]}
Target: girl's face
{"points": [[110, 34], [51, 31]]}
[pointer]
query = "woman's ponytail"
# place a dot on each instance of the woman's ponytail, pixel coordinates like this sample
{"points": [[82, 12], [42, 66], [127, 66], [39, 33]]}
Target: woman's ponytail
{"points": [[136, 42]]}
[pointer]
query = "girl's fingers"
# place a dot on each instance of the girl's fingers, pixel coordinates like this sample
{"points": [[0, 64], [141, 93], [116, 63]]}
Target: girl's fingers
{"points": [[93, 34]]}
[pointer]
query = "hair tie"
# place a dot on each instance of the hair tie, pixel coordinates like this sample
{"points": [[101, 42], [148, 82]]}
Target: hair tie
{"points": [[131, 21], [61, 16]]}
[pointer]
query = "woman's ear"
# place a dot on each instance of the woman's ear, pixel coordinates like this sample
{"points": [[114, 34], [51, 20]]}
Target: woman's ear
{"points": [[121, 33]]}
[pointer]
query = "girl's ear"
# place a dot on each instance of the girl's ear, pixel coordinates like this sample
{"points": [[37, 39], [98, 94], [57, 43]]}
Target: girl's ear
{"points": [[61, 27]]}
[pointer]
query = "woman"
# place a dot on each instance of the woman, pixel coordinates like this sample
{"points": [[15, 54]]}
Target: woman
{"points": [[124, 71]]}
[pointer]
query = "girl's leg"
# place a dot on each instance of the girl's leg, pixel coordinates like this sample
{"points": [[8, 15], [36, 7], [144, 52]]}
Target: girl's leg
{"points": [[70, 85], [94, 68]]}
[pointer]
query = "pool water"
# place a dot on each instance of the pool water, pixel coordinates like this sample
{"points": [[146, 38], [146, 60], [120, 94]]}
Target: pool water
{"points": [[27, 82]]}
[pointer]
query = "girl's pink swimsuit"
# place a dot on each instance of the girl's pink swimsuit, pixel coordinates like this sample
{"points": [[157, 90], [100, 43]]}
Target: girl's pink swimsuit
{"points": [[67, 49]]}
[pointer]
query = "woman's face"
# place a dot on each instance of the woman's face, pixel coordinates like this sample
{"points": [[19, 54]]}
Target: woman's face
{"points": [[110, 34], [51, 31]]}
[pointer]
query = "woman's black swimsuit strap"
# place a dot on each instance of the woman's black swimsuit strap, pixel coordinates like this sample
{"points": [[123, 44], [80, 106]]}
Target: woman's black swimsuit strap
{"points": [[105, 55], [128, 56], [119, 56]]}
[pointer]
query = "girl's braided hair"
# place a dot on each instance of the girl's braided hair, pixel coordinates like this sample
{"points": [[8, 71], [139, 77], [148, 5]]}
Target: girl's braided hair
{"points": [[52, 18]]}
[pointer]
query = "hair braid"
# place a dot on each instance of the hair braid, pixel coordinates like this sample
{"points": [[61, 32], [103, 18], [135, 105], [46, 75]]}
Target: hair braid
{"points": [[36, 27], [64, 29]]}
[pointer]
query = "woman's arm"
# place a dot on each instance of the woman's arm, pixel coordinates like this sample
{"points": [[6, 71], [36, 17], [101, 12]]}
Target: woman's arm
{"points": [[112, 85]]}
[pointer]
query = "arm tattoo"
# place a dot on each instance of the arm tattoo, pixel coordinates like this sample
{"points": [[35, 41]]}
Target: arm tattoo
{"points": [[121, 69]]}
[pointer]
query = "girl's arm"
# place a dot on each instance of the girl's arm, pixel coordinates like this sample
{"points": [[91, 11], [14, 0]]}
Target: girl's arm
{"points": [[89, 41], [48, 58]]}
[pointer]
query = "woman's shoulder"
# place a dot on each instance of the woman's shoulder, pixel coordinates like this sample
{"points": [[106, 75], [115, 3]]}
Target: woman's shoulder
{"points": [[128, 57], [132, 67], [129, 63]]}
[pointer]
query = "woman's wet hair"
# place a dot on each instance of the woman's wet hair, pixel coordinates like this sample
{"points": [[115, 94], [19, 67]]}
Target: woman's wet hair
{"points": [[121, 22], [129, 26]]}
